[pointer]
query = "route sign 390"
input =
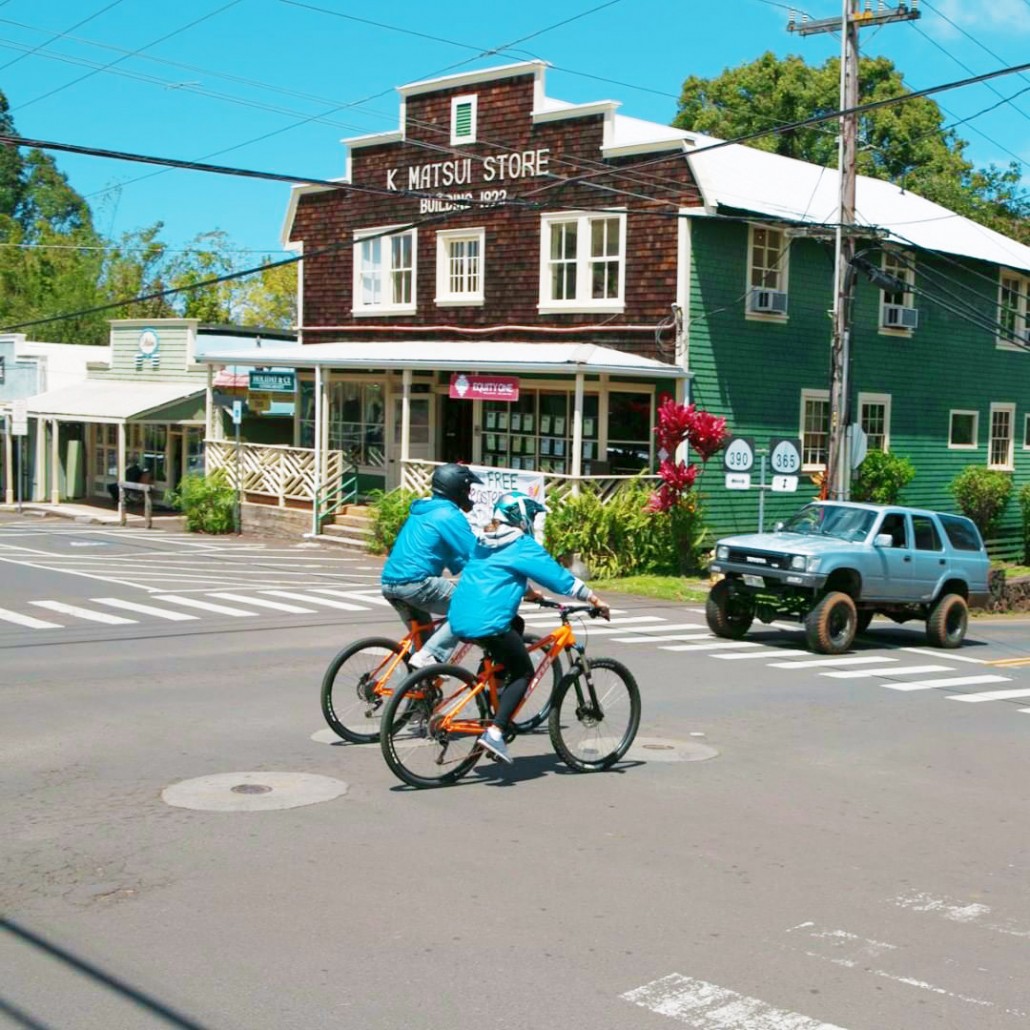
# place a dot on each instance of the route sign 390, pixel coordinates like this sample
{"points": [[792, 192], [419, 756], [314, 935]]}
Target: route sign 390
{"points": [[739, 454]]}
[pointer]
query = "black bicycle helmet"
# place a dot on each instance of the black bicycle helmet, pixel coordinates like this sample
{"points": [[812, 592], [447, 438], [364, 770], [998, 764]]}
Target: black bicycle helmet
{"points": [[454, 482]]}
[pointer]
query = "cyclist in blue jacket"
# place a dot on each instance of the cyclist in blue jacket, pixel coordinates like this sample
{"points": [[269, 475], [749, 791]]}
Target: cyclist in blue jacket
{"points": [[487, 597], [435, 536]]}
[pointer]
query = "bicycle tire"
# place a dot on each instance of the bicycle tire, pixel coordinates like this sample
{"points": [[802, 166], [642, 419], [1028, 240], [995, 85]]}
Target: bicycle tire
{"points": [[414, 748], [588, 738], [537, 707], [350, 704]]}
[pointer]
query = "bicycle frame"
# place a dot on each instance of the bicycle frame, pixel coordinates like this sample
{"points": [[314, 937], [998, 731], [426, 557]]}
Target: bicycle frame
{"points": [[409, 644]]}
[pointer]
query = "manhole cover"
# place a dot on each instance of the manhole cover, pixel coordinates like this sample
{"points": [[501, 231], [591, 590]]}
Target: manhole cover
{"points": [[661, 749], [252, 791]]}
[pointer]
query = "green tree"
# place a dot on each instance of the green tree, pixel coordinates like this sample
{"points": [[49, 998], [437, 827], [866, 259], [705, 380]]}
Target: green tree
{"points": [[906, 143], [268, 299]]}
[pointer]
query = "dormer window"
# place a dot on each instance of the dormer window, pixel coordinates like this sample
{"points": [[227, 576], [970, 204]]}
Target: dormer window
{"points": [[896, 310], [463, 119]]}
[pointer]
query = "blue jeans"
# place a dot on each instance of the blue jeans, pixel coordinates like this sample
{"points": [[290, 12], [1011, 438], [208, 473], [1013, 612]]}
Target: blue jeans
{"points": [[416, 601]]}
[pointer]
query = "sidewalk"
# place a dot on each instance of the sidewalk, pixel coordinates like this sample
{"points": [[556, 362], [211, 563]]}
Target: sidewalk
{"points": [[95, 514]]}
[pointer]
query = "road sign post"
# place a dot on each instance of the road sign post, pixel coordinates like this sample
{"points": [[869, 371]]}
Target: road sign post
{"points": [[237, 418]]}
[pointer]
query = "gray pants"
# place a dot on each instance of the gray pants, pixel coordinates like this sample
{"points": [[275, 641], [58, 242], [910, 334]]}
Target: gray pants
{"points": [[416, 601]]}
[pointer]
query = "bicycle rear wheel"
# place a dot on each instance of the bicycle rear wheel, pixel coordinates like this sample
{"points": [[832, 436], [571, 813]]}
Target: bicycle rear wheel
{"points": [[595, 717], [419, 744], [356, 687], [537, 707]]}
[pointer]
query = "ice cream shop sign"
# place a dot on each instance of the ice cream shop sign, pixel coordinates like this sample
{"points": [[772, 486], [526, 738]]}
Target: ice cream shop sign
{"points": [[484, 388]]}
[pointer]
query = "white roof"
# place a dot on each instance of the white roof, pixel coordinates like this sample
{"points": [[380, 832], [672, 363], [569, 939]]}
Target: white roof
{"points": [[783, 187], [459, 356], [108, 400]]}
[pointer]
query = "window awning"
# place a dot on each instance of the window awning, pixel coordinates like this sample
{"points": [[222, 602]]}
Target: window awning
{"points": [[458, 356], [109, 400]]}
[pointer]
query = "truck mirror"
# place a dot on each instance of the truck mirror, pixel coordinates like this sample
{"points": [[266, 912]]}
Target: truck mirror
{"points": [[883, 540]]}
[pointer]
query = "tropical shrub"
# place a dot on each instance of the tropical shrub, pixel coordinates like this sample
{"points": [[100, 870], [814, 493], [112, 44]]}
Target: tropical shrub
{"points": [[208, 502], [389, 510], [881, 478], [982, 494]]}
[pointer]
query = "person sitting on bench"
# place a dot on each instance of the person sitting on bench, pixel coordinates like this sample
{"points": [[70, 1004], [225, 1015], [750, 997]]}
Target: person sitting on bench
{"points": [[133, 474]]}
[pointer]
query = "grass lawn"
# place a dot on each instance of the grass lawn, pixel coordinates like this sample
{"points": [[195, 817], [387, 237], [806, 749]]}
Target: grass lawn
{"points": [[663, 588]]}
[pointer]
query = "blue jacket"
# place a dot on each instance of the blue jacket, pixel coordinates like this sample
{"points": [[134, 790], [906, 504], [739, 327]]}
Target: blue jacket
{"points": [[487, 596], [436, 535]]}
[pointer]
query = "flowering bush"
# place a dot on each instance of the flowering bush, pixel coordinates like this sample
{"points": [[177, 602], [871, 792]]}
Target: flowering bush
{"points": [[706, 434]]}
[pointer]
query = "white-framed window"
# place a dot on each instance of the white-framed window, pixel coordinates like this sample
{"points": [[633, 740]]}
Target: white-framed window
{"points": [[384, 271], [815, 428], [1003, 417], [463, 118], [1026, 432], [582, 262], [459, 266], [963, 429], [897, 308], [767, 271], [1013, 313], [874, 416]]}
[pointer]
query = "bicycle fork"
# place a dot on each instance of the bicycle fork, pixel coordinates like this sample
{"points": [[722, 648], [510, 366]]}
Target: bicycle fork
{"points": [[588, 707]]}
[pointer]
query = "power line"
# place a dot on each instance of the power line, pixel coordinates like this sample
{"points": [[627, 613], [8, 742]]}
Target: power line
{"points": [[96, 14]]}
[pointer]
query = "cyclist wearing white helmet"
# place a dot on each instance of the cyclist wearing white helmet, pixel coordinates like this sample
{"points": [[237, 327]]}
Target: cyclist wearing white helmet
{"points": [[435, 536], [486, 600]]}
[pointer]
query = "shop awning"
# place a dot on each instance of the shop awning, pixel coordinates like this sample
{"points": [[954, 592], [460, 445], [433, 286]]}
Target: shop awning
{"points": [[109, 400], [458, 356], [226, 380]]}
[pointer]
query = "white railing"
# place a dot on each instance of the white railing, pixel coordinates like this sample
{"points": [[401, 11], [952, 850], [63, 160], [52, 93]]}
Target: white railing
{"points": [[415, 476], [272, 470]]}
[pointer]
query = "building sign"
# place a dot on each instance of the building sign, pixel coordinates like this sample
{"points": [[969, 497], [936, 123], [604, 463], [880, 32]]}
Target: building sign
{"points": [[435, 175], [273, 382], [148, 349], [484, 388]]}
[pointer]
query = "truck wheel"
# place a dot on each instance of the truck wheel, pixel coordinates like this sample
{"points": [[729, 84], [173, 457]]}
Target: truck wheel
{"points": [[830, 626], [946, 625], [728, 616], [864, 618]]}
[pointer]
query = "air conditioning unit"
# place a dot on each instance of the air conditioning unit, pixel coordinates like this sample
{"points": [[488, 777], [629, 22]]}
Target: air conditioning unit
{"points": [[897, 316], [772, 302]]}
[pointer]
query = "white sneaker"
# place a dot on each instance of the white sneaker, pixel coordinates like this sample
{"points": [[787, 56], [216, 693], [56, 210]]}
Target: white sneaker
{"points": [[420, 659]]}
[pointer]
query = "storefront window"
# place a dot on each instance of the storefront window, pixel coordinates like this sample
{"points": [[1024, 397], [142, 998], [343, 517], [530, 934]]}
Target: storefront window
{"points": [[629, 432], [356, 421], [149, 443]]}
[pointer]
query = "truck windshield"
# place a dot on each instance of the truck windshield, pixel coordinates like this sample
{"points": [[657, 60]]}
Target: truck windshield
{"points": [[852, 524]]}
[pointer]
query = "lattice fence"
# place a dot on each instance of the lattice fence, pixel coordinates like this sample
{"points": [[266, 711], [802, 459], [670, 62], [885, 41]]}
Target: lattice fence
{"points": [[272, 470]]}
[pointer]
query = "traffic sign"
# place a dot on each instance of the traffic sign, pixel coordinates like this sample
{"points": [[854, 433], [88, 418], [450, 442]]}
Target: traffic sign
{"points": [[784, 484], [738, 480], [237, 412], [739, 456], [19, 418], [785, 456]]}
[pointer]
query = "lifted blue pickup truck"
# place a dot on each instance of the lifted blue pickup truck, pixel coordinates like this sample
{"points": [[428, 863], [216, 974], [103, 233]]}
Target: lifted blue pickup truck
{"points": [[836, 564]]}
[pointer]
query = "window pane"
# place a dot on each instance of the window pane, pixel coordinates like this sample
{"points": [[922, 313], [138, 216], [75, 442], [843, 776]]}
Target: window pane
{"points": [[815, 442], [874, 421], [1001, 436], [962, 429]]}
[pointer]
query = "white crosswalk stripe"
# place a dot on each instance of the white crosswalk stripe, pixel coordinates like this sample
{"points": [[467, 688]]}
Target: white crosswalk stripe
{"points": [[910, 670], [991, 695], [951, 681], [324, 601], [712, 645], [779, 652], [144, 609], [263, 602], [815, 663], [354, 595], [205, 606], [27, 620], [661, 638], [84, 613]]}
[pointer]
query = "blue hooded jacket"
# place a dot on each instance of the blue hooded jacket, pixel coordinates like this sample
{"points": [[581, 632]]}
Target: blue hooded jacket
{"points": [[436, 535], [487, 596]]}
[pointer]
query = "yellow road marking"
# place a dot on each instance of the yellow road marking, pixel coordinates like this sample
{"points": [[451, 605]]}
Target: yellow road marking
{"points": [[1010, 662]]}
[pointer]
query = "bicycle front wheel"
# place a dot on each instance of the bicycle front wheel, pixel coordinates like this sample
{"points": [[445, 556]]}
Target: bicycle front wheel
{"points": [[595, 715], [356, 687], [431, 726]]}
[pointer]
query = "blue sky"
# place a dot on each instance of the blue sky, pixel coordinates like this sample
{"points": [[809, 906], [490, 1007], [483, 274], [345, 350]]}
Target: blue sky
{"points": [[276, 84]]}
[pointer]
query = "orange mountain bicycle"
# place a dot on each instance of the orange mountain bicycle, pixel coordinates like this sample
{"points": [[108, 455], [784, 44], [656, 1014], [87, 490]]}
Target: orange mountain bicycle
{"points": [[357, 683], [431, 723]]}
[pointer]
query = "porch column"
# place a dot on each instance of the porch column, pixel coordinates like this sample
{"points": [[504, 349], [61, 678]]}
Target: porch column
{"points": [[121, 468], [55, 462], [209, 403], [681, 398], [405, 421], [38, 489], [577, 433], [317, 473], [9, 462]]}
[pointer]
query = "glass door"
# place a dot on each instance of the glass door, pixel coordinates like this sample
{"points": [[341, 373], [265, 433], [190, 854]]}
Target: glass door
{"points": [[420, 441]]}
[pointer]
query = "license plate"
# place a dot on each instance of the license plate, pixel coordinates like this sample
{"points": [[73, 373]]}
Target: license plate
{"points": [[754, 581]]}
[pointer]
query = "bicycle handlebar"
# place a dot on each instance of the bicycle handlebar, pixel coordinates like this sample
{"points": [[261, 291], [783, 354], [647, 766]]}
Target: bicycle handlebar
{"points": [[571, 609]]}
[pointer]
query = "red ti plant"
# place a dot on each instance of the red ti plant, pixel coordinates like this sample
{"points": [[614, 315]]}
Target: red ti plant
{"points": [[704, 432]]}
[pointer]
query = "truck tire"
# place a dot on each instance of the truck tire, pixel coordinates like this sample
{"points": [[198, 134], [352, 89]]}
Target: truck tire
{"points": [[947, 621], [728, 616], [831, 625]]}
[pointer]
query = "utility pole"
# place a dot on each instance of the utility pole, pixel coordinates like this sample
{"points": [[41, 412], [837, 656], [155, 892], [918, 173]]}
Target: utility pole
{"points": [[838, 466]]}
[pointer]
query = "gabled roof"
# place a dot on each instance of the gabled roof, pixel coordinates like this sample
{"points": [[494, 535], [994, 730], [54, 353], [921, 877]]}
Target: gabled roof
{"points": [[747, 179]]}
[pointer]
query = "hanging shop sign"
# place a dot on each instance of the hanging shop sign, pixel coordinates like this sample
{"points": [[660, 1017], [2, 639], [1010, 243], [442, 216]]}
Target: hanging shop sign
{"points": [[484, 388], [273, 382]]}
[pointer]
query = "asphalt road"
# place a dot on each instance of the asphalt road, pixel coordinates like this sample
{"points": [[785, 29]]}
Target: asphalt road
{"points": [[786, 848]]}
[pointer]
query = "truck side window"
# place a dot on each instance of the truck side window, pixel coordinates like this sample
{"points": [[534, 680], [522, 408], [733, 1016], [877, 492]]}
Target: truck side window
{"points": [[894, 523], [927, 537]]}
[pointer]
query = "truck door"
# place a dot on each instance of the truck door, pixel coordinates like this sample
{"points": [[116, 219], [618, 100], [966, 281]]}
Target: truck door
{"points": [[895, 562], [928, 559]]}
